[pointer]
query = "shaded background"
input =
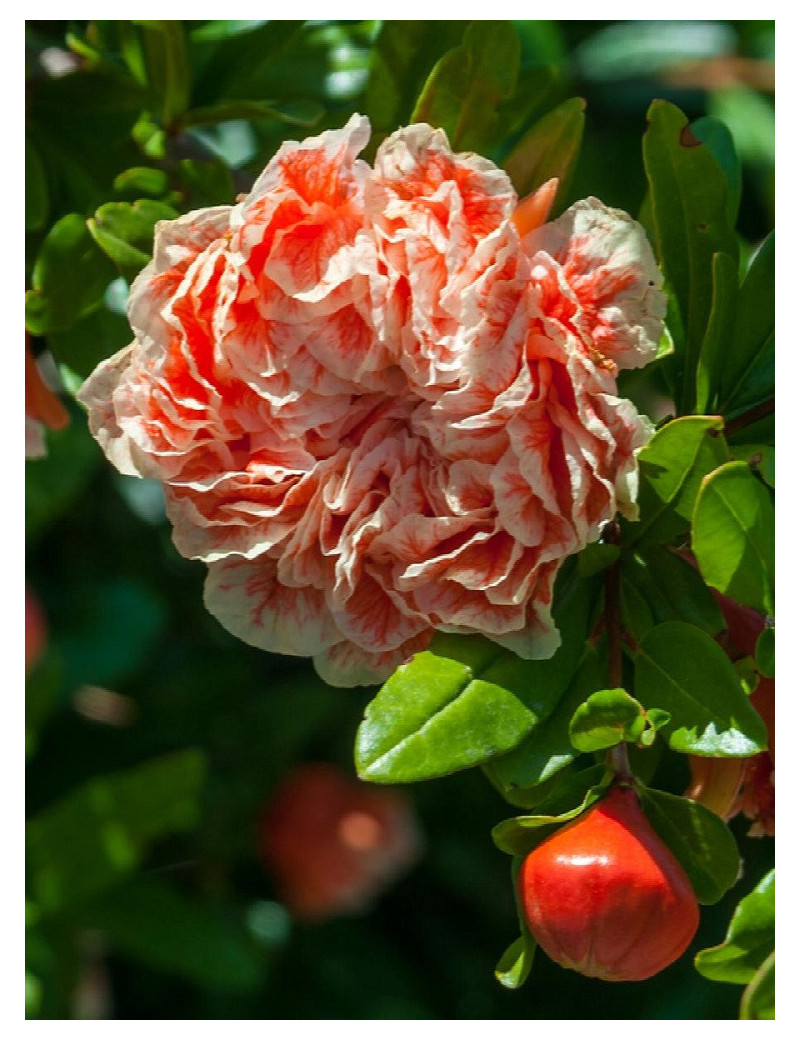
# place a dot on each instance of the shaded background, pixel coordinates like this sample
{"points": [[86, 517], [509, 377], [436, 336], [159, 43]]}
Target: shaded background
{"points": [[154, 739]]}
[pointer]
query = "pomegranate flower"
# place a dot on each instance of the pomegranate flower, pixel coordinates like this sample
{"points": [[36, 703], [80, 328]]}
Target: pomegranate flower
{"points": [[381, 406]]}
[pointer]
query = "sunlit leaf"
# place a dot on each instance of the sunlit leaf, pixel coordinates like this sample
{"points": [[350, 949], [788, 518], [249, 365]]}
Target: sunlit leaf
{"points": [[684, 671], [733, 536], [749, 940], [606, 718]]}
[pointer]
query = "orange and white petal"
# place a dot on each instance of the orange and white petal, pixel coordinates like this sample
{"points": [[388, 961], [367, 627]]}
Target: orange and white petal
{"points": [[348, 665]]}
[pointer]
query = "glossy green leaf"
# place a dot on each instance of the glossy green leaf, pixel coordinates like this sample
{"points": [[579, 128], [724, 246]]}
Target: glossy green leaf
{"points": [[699, 840], [748, 375], [466, 700], [515, 964], [518, 836], [671, 468], [719, 140], [402, 58], [689, 200], [168, 72], [635, 608], [716, 342], [124, 231], [683, 671], [765, 653], [158, 925], [733, 536], [467, 84], [758, 1000], [141, 180], [750, 938], [759, 457], [36, 195], [96, 835], [549, 149], [671, 589], [548, 748], [606, 718], [69, 277]]}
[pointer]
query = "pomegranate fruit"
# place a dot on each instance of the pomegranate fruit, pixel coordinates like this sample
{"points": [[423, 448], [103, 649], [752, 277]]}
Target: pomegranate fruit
{"points": [[605, 897]]}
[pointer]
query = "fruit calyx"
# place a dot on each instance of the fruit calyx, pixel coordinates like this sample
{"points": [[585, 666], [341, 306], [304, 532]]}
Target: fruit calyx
{"points": [[605, 897]]}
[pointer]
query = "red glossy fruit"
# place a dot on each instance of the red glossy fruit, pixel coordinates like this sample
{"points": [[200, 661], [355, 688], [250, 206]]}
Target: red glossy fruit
{"points": [[605, 897]]}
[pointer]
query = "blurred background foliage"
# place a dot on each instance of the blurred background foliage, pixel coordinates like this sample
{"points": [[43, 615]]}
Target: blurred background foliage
{"points": [[154, 740]]}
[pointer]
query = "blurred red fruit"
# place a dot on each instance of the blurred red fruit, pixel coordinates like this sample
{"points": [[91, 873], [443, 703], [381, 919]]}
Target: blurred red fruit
{"points": [[744, 626], [35, 630], [332, 844], [605, 897]]}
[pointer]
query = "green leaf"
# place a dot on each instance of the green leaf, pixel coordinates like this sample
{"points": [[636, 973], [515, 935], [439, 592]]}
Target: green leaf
{"points": [[682, 670], [515, 964], [698, 839], [549, 149], [298, 113], [758, 1000], [716, 135], [466, 699], [238, 55], [733, 536], [42, 688], [96, 835], [69, 277], [689, 200], [466, 86], [671, 589], [171, 932], [598, 556], [168, 72], [89, 341], [765, 653], [36, 194], [519, 835], [206, 183], [636, 615], [748, 375], [759, 457], [712, 362], [671, 468], [548, 748], [53, 484], [141, 180], [606, 718], [750, 938], [401, 60], [124, 231]]}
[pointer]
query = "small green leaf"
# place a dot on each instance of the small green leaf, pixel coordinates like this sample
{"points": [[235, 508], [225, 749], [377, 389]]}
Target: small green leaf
{"points": [[125, 232], [689, 200], [683, 671], [671, 468], [468, 83], [518, 836], [698, 839], [606, 718], [515, 964], [758, 1000], [733, 536], [549, 149], [141, 180], [765, 653], [69, 277], [749, 940]]}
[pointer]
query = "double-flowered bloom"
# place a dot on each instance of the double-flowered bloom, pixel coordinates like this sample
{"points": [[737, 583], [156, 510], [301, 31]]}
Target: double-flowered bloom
{"points": [[379, 405]]}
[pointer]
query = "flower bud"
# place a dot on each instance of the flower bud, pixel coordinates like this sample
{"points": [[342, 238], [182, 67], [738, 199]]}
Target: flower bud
{"points": [[605, 897]]}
